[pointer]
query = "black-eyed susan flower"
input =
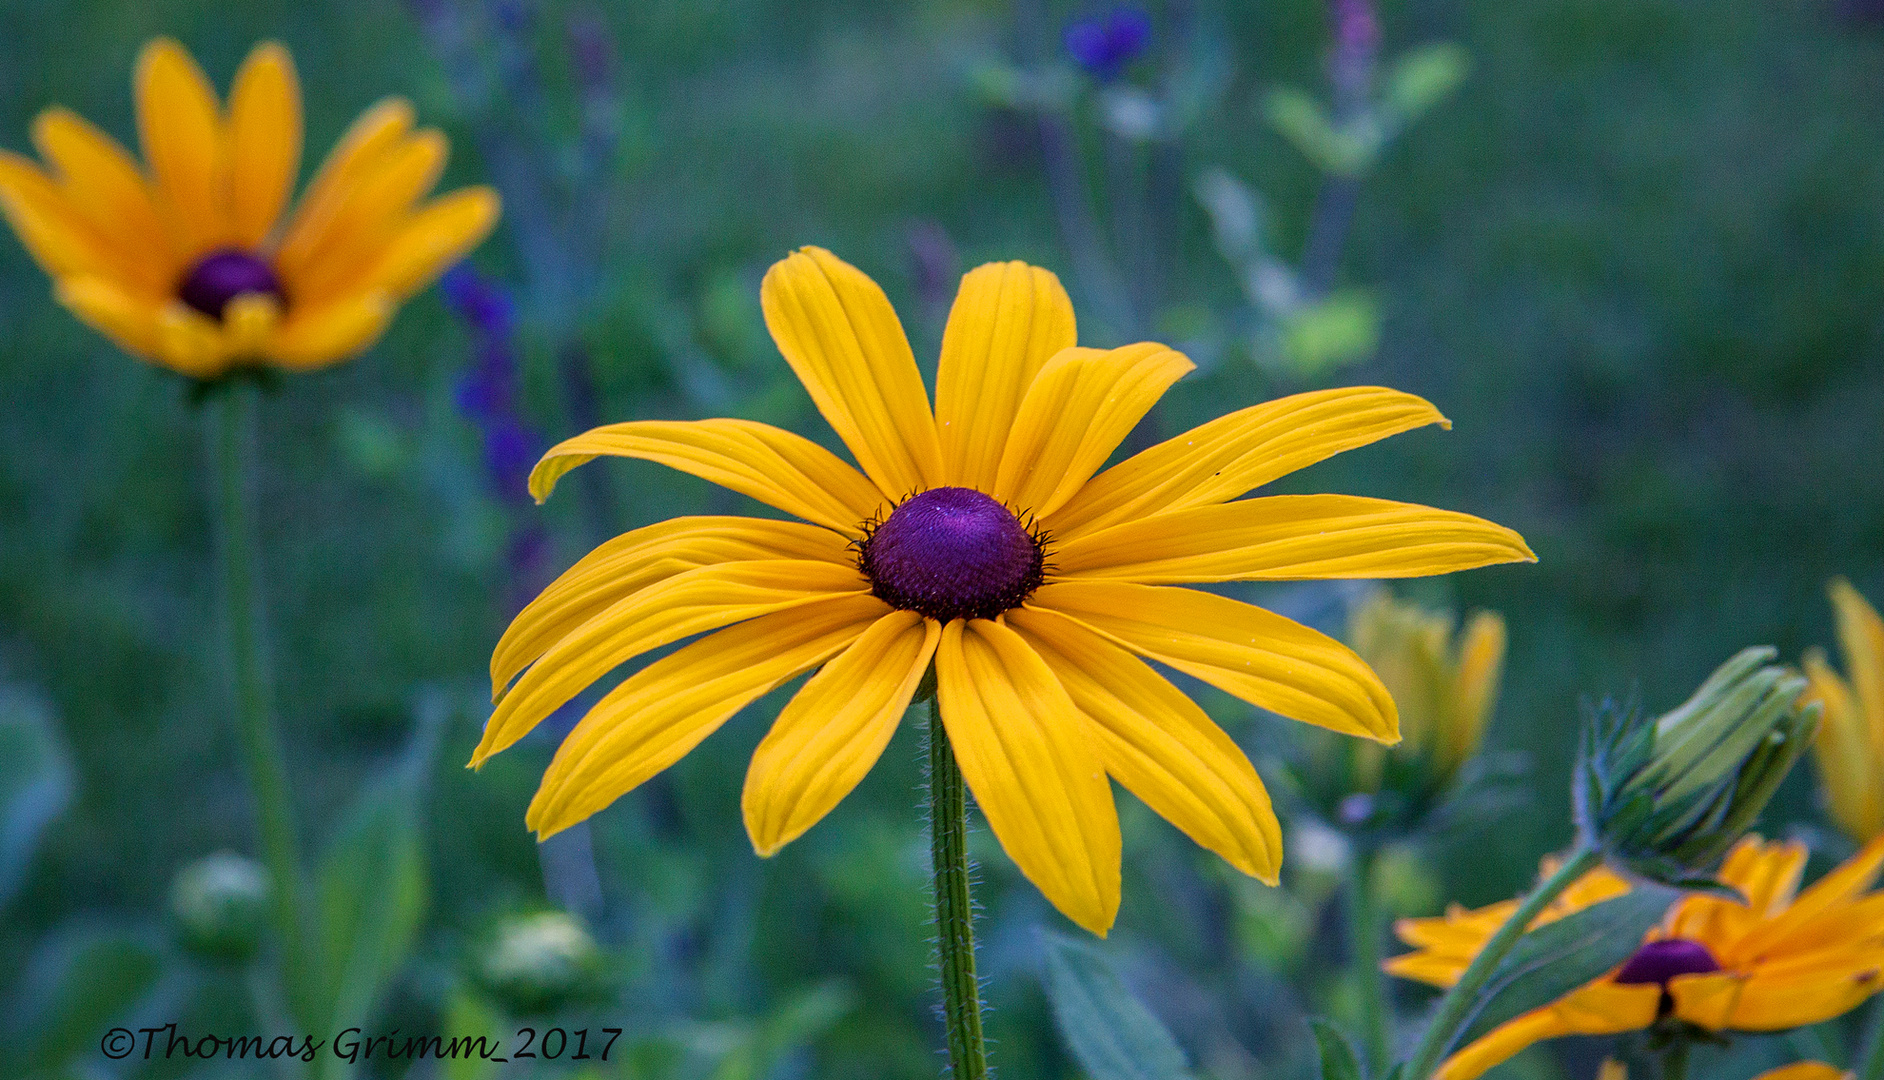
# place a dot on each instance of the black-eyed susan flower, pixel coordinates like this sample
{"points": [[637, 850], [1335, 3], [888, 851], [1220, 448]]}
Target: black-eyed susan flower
{"points": [[981, 538], [189, 260], [1445, 683], [1850, 745], [1783, 959]]}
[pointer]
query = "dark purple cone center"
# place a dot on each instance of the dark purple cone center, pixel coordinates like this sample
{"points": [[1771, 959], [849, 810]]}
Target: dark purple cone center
{"points": [[952, 553], [1659, 961], [221, 276]]}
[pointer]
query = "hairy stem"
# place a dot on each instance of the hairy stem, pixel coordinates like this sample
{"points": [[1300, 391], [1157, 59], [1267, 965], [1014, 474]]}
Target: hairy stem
{"points": [[264, 765], [1456, 1007], [954, 913]]}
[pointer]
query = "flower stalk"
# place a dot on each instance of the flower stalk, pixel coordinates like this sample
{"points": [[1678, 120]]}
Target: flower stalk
{"points": [[954, 910], [1871, 1065], [1455, 1008], [264, 764], [1364, 932]]}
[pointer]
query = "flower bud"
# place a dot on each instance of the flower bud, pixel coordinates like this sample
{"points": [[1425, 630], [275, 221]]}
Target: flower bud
{"points": [[1668, 796], [538, 962], [220, 906]]}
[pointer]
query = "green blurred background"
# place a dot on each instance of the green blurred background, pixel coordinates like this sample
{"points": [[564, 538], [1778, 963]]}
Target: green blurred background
{"points": [[1638, 259]]}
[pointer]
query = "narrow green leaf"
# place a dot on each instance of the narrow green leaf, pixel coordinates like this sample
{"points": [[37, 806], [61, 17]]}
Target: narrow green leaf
{"points": [[1561, 956], [1423, 78], [1338, 1061], [1109, 1032], [35, 783], [79, 985]]}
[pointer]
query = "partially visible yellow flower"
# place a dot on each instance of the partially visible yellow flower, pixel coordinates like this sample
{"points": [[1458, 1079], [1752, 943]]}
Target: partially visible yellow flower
{"points": [[1445, 688], [1778, 961], [1805, 1070], [187, 261], [981, 537], [1850, 746]]}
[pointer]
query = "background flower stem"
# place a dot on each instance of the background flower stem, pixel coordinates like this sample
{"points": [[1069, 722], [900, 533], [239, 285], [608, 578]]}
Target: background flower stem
{"points": [[1675, 1059], [263, 763], [1871, 1063], [1364, 954], [1455, 1009], [954, 913]]}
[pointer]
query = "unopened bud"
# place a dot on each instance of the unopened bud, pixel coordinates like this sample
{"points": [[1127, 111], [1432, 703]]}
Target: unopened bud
{"points": [[536, 963], [220, 906]]}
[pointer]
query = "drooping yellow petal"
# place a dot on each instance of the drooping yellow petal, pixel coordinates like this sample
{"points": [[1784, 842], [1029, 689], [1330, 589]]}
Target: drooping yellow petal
{"points": [[769, 464], [1160, 745], [264, 141], [373, 136], [1481, 664], [1502, 1044], [1287, 537], [1220, 460], [1601, 1008], [1025, 753], [844, 341], [433, 238], [651, 720], [129, 321], [53, 232], [1267, 660], [104, 187], [705, 598], [633, 561], [1075, 413], [833, 731], [189, 341], [248, 324], [179, 123], [1861, 639], [1844, 752], [1008, 320], [366, 214], [314, 337]]}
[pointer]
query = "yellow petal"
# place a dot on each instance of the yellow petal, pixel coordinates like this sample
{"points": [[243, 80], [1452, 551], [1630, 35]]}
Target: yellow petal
{"points": [[688, 603], [1803, 1070], [1601, 1008], [364, 215], [842, 338], [1481, 664], [316, 337], [179, 123], [53, 232], [1288, 537], [1025, 753], [665, 709], [633, 561], [1844, 753], [1861, 638], [1160, 745], [1501, 1044], [190, 342], [264, 141], [440, 234], [774, 466], [834, 730], [1007, 321], [1220, 460], [248, 324], [103, 186], [129, 321], [1725, 1001], [360, 152], [1076, 412], [1267, 660], [1816, 918]]}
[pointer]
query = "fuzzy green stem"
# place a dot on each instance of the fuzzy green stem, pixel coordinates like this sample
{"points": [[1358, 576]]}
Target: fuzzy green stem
{"points": [[264, 765], [1455, 1009], [1675, 1059], [1364, 954], [954, 913], [1871, 1065]]}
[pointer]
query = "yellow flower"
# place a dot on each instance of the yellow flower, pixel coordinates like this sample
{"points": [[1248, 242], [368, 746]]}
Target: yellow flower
{"points": [[188, 263], [1805, 1070], [1778, 961], [979, 538], [1445, 688], [1850, 746]]}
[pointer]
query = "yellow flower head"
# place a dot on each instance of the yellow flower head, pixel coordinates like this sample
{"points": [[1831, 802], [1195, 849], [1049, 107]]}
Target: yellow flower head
{"points": [[976, 538], [1850, 746], [188, 262], [1783, 959], [1446, 688]]}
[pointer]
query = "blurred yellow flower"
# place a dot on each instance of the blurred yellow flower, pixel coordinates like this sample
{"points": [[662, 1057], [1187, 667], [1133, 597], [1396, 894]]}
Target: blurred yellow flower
{"points": [[188, 262], [1850, 746], [979, 538], [1805, 1070], [1446, 689], [1778, 961]]}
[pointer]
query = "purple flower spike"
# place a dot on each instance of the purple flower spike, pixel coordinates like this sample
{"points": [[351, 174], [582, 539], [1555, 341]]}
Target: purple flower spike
{"points": [[1105, 44], [477, 301]]}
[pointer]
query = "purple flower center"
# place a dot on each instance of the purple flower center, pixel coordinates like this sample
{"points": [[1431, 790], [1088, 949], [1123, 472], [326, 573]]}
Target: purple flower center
{"points": [[1659, 961], [223, 275], [952, 553]]}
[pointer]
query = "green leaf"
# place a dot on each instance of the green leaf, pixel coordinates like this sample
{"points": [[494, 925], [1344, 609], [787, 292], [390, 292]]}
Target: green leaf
{"points": [[1340, 149], [35, 783], [1109, 1032], [468, 1017], [1342, 329], [1423, 78], [795, 1023], [80, 985], [1338, 1061], [1561, 956]]}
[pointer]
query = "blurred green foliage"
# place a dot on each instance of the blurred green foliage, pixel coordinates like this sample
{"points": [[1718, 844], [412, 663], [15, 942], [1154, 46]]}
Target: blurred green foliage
{"points": [[1637, 258]]}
